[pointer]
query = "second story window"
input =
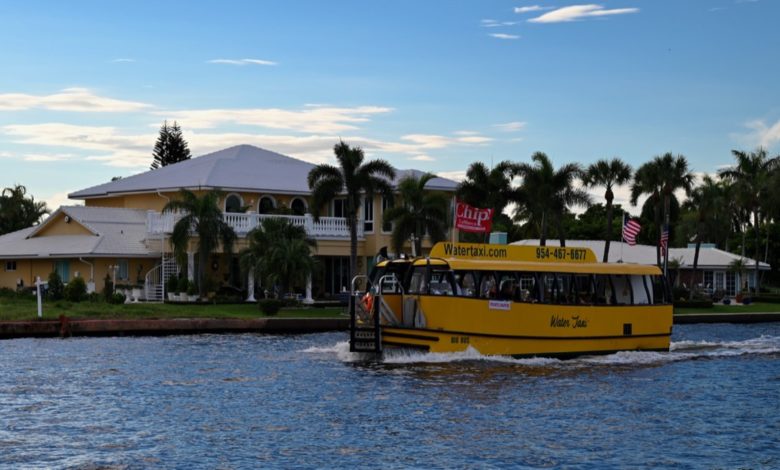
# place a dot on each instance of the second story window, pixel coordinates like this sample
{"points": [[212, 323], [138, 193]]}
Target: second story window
{"points": [[298, 206], [266, 205], [233, 203], [387, 227], [368, 215], [339, 207]]}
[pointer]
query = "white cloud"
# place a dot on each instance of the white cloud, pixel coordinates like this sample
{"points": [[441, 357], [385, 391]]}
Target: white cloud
{"points": [[55, 200], [762, 134], [423, 158], [311, 119], [465, 132], [117, 61], [513, 126], [69, 99], [531, 8], [579, 12], [458, 175], [504, 36], [496, 24], [47, 157], [242, 61]]}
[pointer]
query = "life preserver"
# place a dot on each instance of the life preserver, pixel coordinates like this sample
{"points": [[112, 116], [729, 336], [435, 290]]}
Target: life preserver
{"points": [[367, 301]]}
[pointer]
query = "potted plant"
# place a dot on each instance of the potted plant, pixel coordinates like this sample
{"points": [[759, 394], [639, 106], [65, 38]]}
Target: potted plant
{"points": [[183, 285], [192, 292], [136, 291], [171, 287]]}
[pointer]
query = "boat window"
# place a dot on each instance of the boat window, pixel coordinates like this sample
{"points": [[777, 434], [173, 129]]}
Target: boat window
{"points": [[659, 290], [488, 286], [641, 294], [622, 289], [467, 283], [605, 291], [441, 282], [583, 289], [507, 284], [527, 289], [417, 280]]}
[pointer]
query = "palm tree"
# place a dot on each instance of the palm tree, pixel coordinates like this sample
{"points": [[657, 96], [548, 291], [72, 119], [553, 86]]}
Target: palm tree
{"points": [[420, 211], [18, 211], [279, 252], [660, 178], [488, 188], [202, 217], [550, 192], [354, 179], [751, 177], [706, 201], [607, 173]]}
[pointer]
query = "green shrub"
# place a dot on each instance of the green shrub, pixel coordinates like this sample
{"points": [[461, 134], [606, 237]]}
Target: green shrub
{"points": [[192, 289], [94, 297], [680, 293], [172, 285], [55, 286], [75, 290], [117, 298], [270, 306], [183, 285]]}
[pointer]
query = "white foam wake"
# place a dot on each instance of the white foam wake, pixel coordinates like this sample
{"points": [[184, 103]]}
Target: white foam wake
{"points": [[678, 351]]}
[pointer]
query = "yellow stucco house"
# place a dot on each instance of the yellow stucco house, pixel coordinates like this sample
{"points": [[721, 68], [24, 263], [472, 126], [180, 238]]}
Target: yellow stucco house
{"points": [[121, 232]]}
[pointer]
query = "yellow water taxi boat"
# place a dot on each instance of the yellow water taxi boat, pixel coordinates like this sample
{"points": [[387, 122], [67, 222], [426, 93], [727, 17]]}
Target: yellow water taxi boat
{"points": [[512, 300]]}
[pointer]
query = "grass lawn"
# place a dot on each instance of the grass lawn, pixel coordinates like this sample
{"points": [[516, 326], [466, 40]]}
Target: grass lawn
{"points": [[751, 308], [26, 309]]}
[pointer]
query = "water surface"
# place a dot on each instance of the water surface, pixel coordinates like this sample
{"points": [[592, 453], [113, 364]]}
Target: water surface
{"points": [[253, 401]]}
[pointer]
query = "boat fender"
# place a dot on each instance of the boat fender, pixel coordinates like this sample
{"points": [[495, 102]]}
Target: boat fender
{"points": [[367, 301]]}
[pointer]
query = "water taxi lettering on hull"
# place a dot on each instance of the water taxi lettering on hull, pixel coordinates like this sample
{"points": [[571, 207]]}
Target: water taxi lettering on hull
{"points": [[515, 300]]}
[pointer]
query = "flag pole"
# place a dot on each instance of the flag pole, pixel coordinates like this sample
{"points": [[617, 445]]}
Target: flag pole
{"points": [[622, 236]]}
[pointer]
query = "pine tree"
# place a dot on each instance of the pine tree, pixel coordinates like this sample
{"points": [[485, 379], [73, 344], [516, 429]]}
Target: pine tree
{"points": [[170, 147]]}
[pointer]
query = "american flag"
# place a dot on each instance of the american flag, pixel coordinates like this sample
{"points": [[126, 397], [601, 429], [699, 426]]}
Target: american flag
{"points": [[630, 230], [664, 240]]}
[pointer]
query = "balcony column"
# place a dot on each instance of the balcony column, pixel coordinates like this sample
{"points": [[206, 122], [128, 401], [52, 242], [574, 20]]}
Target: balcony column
{"points": [[190, 266], [308, 300], [250, 287]]}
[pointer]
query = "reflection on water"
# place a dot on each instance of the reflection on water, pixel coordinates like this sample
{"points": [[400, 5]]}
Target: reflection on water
{"points": [[250, 401]]}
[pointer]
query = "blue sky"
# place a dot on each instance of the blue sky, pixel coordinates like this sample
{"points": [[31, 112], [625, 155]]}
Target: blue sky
{"points": [[433, 85]]}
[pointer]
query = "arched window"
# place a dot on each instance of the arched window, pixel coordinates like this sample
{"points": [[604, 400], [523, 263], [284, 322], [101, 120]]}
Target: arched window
{"points": [[233, 203], [298, 206], [266, 205]]}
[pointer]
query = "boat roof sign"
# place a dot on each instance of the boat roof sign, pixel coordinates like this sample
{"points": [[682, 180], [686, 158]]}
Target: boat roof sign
{"points": [[546, 254]]}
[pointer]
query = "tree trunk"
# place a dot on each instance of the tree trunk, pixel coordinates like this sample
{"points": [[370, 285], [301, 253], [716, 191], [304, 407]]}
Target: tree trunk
{"points": [[695, 264], [758, 249], [667, 217], [608, 234], [352, 249], [543, 234], [561, 235], [657, 211], [202, 260]]}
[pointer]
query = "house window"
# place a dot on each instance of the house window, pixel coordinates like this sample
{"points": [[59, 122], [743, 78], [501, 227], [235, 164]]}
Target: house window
{"points": [[387, 227], [62, 267], [233, 203], [731, 283], [339, 207], [10, 266], [298, 206], [708, 280], [123, 270], [266, 205], [368, 215]]}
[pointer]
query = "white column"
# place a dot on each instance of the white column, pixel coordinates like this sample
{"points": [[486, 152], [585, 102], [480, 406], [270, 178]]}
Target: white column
{"points": [[308, 300], [190, 266], [250, 287]]}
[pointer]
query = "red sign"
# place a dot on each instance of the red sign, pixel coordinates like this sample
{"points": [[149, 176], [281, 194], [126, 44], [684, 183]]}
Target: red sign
{"points": [[472, 219]]}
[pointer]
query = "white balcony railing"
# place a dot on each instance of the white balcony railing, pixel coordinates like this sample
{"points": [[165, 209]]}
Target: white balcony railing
{"points": [[327, 227]]}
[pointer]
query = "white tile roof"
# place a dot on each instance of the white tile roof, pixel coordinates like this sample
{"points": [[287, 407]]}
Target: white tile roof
{"points": [[709, 258], [118, 232], [239, 168]]}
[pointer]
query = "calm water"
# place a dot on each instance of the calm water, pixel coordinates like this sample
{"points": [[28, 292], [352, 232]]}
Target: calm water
{"points": [[254, 401]]}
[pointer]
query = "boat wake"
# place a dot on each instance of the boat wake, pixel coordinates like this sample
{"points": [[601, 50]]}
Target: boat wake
{"points": [[678, 351]]}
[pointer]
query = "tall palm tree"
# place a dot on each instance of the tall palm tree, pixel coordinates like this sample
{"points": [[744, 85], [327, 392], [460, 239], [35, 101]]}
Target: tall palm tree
{"points": [[354, 179], [706, 201], [279, 252], [202, 217], [660, 178], [751, 176], [488, 188], [420, 211], [550, 192], [608, 174]]}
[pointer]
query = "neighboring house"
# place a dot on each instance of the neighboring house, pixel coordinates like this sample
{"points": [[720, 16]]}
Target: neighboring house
{"points": [[121, 231], [713, 267]]}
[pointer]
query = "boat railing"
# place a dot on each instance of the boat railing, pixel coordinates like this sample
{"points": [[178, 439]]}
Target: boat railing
{"points": [[364, 330]]}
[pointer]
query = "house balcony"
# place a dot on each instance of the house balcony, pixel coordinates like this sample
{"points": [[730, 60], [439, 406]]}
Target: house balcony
{"points": [[326, 228]]}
